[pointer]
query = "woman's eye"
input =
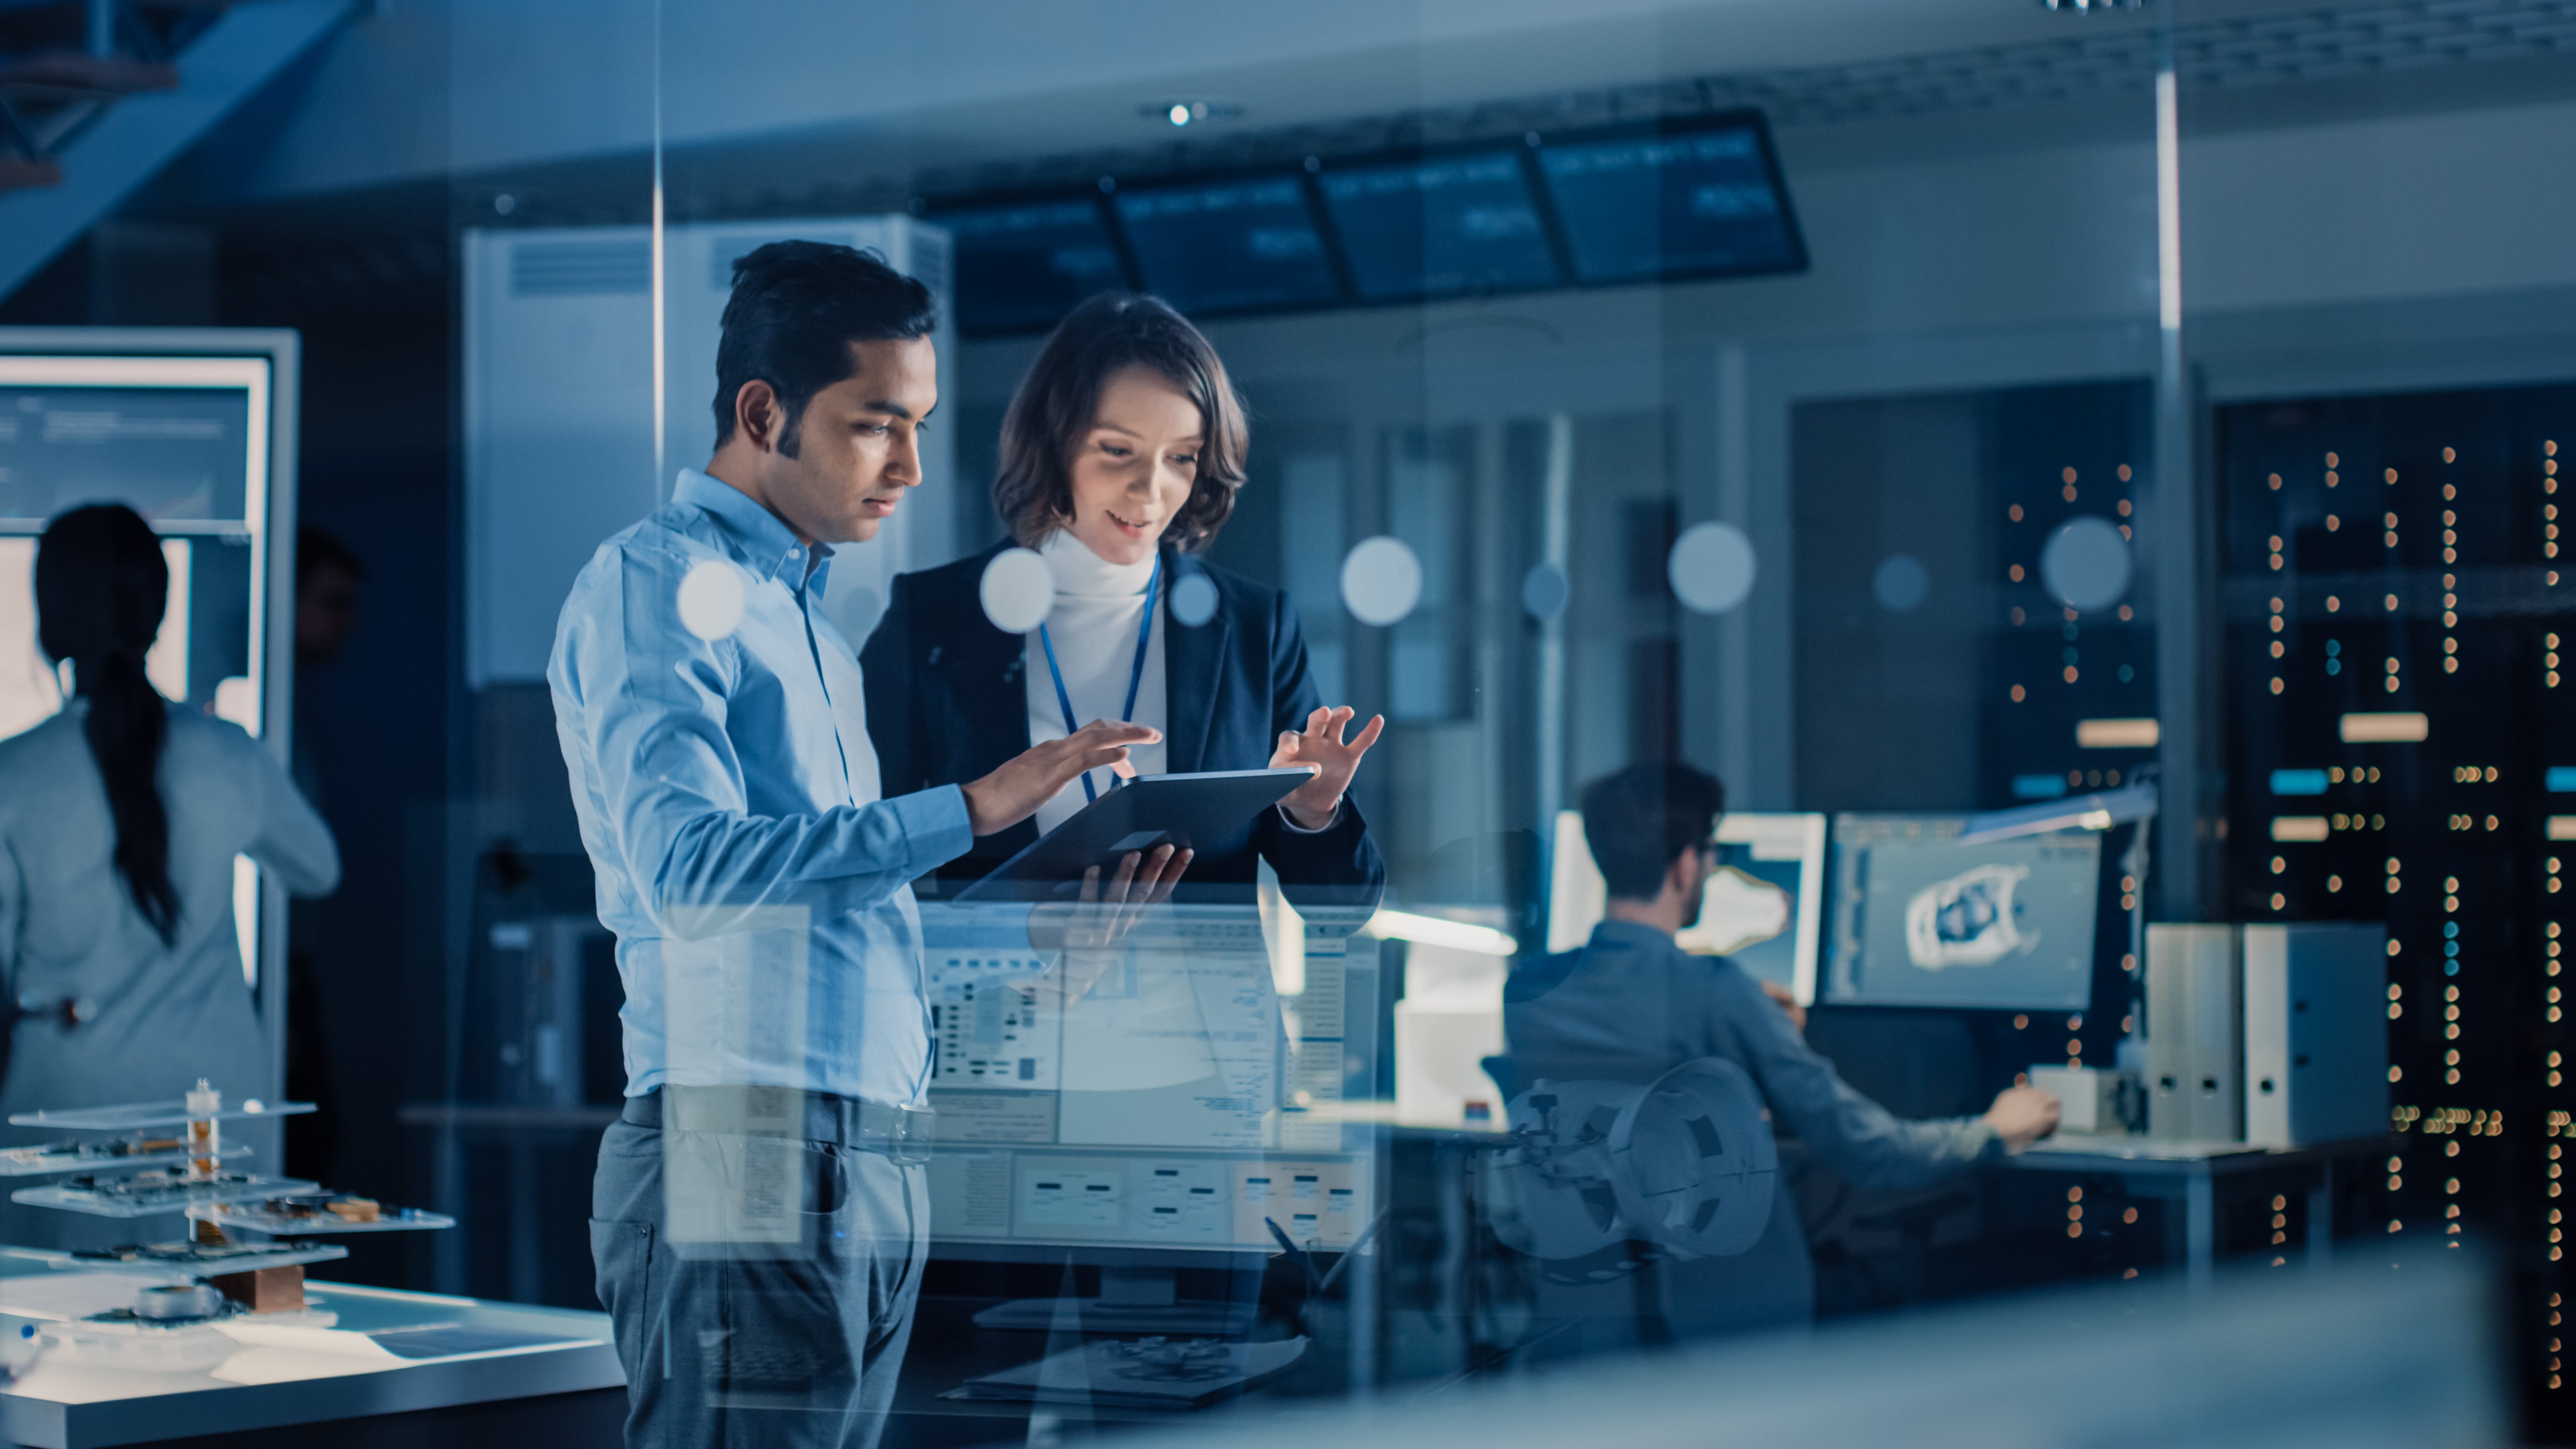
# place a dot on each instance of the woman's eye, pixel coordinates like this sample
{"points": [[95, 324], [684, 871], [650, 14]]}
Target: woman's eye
{"points": [[1185, 460], [1113, 450]]}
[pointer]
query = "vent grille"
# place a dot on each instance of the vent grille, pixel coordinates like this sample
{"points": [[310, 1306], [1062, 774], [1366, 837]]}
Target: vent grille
{"points": [[582, 268]]}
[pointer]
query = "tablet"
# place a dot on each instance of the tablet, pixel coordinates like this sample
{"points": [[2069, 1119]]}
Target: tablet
{"points": [[1147, 811]]}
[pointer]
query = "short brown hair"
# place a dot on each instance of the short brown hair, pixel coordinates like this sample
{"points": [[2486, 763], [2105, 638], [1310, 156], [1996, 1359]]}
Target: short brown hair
{"points": [[1056, 402]]}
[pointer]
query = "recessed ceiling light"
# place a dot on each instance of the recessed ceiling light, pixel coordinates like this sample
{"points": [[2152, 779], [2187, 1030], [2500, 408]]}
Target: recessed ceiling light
{"points": [[2092, 5], [1190, 111]]}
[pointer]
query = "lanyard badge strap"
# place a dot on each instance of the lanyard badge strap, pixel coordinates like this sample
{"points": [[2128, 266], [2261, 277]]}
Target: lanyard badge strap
{"points": [[1135, 672]]}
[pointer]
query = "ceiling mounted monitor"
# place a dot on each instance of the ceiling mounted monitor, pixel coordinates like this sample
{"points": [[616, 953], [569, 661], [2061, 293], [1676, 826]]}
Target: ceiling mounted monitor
{"points": [[1439, 226], [1022, 265], [1685, 199], [1241, 245]]}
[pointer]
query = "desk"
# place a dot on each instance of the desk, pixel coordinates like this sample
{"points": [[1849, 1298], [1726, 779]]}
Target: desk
{"points": [[60, 1406], [2194, 1172]]}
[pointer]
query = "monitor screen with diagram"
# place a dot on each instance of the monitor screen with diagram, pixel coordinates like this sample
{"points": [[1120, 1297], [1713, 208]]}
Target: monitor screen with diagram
{"points": [[1178, 1096], [1922, 920], [1763, 908]]}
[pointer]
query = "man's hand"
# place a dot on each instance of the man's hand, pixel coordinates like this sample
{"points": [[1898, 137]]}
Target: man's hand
{"points": [[1086, 931], [1028, 780], [1315, 803], [1788, 1002], [2022, 1116]]}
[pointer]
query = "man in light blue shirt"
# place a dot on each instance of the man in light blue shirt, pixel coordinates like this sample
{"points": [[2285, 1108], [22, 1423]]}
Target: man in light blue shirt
{"points": [[759, 1211]]}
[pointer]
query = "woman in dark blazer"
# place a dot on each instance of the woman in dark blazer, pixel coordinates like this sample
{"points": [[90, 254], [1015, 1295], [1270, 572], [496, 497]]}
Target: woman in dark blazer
{"points": [[1121, 455]]}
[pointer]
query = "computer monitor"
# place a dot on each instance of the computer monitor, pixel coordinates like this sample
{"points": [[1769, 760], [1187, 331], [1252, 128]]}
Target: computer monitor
{"points": [[1247, 244], [1763, 909], [1438, 226], [1167, 1116], [1922, 920], [1696, 198], [1022, 265], [193, 430]]}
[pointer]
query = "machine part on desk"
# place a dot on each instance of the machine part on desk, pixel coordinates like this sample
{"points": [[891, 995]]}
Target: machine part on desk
{"points": [[263, 1290], [1685, 1162], [178, 1303], [2094, 1099], [138, 1346], [194, 1259], [136, 1151], [323, 1214], [147, 1193], [20, 1347], [134, 1116], [1146, 1373]]}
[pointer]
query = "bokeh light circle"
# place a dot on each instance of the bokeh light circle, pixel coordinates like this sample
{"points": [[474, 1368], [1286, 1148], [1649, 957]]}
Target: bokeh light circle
{"points": [[1381, 580], [1017, 591], [1194, 600], [2086, 564], [1711, 567], [1901, 583], [1545, 591], [711, 599]]}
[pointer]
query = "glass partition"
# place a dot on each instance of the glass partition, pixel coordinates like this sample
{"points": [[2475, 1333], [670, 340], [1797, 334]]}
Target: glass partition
{"points": [[1882, 566]]}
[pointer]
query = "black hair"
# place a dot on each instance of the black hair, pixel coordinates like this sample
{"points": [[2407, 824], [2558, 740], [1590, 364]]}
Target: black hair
{"points": [[316, 551], [1640, 820], [1056, 402], [101, 585], [796, 308]]}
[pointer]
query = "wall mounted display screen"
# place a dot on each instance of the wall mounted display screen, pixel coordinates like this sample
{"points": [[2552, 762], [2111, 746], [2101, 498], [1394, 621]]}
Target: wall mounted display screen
{"points": [[1229, 246], [1921, 920], [1697, 202], [1439, 227], [1021, 267]]}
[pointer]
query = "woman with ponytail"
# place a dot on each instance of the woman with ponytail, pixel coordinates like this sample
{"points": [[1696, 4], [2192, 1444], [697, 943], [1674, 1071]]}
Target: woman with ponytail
{"points": [[119, 821]]}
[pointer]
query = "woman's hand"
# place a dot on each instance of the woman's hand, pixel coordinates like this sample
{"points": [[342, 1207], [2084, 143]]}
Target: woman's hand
{"points": [[1314, 804], [1089, 933]]}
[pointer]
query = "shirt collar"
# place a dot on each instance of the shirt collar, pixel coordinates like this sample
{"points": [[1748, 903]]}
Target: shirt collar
{"points": [[768, 547], [1630, 934]]}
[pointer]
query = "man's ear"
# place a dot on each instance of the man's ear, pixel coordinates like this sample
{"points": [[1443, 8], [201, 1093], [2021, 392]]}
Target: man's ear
{"points": [[757, 416], [1679, 876]]}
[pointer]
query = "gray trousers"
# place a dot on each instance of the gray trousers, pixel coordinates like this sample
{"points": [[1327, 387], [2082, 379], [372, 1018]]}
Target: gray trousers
{"points": [[793, 1339]]}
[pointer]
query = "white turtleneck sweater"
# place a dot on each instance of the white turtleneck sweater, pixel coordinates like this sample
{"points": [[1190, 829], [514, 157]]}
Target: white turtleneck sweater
{"points": [[1098, 606]]}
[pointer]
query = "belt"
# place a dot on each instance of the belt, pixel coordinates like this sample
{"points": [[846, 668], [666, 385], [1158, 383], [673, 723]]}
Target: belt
{"points": [[901, 1132]]}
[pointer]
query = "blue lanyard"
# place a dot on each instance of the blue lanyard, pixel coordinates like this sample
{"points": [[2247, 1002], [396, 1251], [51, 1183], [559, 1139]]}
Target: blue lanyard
{"points": [[1135, 674]]}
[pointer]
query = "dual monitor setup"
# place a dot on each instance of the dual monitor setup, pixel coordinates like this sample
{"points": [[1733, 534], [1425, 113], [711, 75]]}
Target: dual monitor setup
{"points": [[1881, 910]]}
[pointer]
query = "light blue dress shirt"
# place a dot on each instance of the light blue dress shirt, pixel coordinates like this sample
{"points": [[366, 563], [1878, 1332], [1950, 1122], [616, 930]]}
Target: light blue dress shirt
{"points": [[759, 889]]}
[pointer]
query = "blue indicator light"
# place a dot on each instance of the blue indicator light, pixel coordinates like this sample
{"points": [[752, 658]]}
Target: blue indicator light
{"points": [[2298, 782], [2038, 787], [2450, 928], [2450, 968], [2562, 780]]}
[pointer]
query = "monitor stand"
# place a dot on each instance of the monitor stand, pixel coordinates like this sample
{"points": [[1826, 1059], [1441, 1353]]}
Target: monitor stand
{"points": [[1132, 1300]]}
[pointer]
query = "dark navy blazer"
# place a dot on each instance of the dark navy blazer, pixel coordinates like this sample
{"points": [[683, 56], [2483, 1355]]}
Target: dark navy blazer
{"points": [[947, 698]]}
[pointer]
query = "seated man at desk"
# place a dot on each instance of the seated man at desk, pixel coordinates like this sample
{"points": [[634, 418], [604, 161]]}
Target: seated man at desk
{"points": [[1631, 1005]]}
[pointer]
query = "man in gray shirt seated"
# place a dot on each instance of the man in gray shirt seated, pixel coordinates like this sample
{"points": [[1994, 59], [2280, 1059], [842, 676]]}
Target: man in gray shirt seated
{"points": [[1631, 1005]]}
